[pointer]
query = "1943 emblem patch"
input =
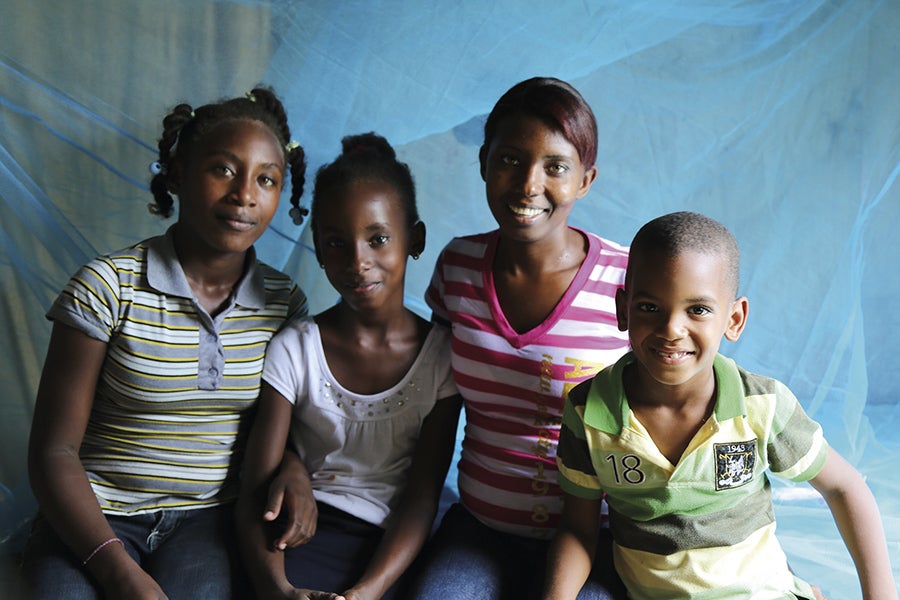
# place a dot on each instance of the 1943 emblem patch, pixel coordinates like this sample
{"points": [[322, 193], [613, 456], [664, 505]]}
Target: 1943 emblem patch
{"points": [[734, 464]]}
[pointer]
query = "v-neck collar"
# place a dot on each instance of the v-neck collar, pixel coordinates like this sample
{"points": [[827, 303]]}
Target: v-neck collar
{"points": [[520, 340]]}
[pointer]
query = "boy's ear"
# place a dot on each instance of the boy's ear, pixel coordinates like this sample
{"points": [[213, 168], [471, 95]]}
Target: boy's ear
{"points": [[417, 240], [622, 309], [737, 319]]}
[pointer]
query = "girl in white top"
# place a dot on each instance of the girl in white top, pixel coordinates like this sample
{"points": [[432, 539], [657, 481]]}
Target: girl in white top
{"points": [[365, 392]]}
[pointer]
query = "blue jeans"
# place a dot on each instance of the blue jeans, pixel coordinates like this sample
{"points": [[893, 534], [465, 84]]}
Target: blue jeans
{"points": [[192, 555], [467, 560]]}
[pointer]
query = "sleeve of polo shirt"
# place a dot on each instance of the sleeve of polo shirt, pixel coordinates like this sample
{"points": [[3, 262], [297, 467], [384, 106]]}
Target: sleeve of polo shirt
{"points": [[797, 448], [298, 305], [90, 300], [577, 475]]}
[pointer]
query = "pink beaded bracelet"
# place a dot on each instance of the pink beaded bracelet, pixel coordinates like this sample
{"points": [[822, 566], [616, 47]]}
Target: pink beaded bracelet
{"points": [[100, 547]]}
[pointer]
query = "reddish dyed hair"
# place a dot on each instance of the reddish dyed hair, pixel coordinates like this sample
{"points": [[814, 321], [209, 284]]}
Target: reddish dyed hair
{"points": [[557, 104]]}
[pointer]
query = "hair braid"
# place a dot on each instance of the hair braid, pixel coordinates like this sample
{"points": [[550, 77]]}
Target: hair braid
{"points": [[295, 156], [296, 159], [173, 123], [266, 99]]}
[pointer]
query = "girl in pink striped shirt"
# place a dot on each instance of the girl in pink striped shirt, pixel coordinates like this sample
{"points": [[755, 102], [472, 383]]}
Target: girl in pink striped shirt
{"points": [[532, 312]]}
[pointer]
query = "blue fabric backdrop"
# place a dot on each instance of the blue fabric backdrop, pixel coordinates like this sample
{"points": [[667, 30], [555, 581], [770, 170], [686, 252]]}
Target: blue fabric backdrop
{"points": [[780, 118]]}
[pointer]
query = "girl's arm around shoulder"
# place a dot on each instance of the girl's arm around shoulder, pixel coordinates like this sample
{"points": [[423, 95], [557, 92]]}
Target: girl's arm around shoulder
{"points": [[61, 413], [414, 516], [859, 522], [571, 552], [265, 450]]}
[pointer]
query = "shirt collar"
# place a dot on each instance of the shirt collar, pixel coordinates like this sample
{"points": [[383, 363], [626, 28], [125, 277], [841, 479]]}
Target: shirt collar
{"points": [[164, 273], [607, 409]]}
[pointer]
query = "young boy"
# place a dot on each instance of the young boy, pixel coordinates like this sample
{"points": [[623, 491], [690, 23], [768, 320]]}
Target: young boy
{"points": [[679, 438]]}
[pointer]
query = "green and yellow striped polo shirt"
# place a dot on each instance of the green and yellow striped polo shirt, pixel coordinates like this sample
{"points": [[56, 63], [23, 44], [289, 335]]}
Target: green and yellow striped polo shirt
{"points": [[703, 528]]}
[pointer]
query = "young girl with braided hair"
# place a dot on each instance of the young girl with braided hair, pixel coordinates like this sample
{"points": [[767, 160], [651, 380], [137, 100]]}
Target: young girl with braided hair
{"points": [[153, 366], [363, 391]]}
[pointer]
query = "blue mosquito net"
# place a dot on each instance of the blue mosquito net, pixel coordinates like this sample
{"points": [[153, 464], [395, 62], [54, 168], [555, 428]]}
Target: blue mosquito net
{"points": [[777, 117]]}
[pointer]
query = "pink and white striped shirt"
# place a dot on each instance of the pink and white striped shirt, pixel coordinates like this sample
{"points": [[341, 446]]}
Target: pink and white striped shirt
{"points": [[513, 384]]}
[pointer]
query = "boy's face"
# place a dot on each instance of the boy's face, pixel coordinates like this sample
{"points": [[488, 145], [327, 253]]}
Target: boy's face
{"points": [[676, 310]]}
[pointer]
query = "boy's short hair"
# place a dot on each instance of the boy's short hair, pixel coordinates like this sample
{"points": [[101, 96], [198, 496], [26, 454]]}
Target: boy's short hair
{"points": [[684, 231]]}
